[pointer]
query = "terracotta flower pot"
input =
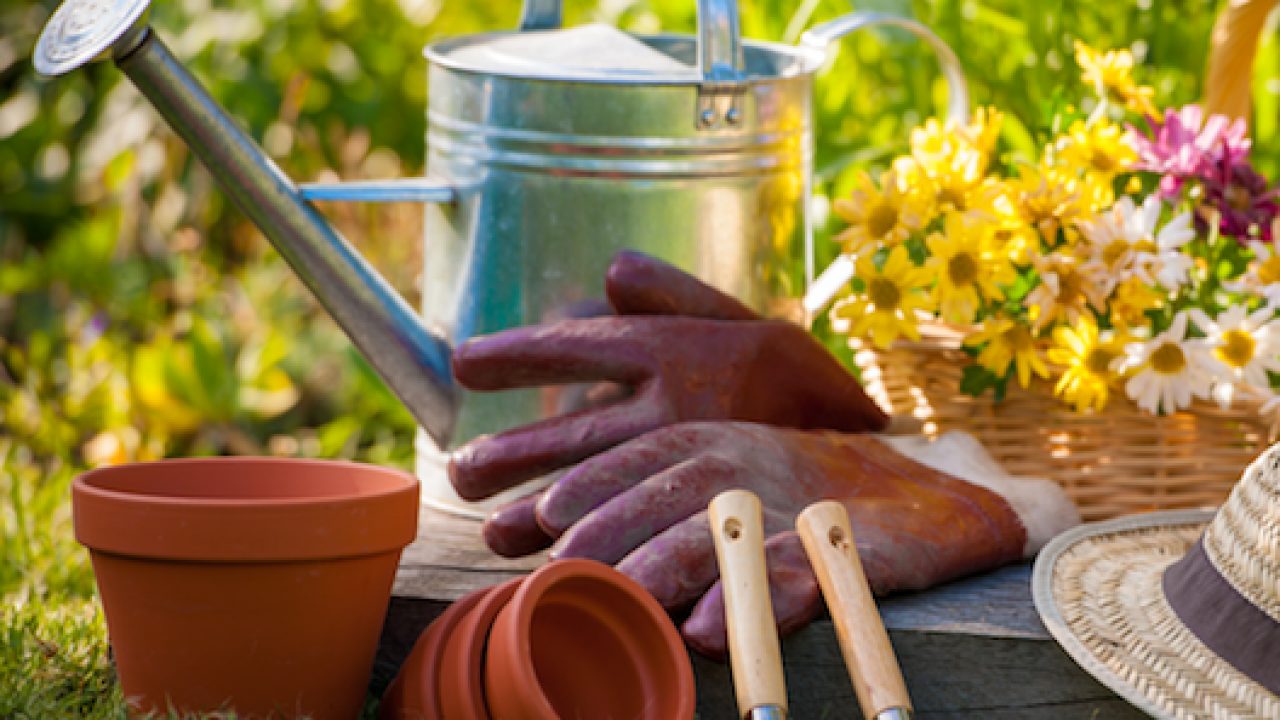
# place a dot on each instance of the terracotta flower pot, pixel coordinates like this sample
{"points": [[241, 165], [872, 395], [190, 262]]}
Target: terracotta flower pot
{"points": [[258, 584], [581, 640]]}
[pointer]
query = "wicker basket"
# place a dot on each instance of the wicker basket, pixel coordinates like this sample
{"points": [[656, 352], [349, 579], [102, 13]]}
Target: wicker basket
{"points": [[1120, 461]]}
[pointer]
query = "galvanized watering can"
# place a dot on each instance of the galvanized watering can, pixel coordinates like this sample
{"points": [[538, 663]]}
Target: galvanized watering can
{"points": [[548, 151]]}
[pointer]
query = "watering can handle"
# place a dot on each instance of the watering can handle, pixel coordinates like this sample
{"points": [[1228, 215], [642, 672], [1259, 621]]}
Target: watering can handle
{"points": [[823, 289], [719, 40], [820, 38]]}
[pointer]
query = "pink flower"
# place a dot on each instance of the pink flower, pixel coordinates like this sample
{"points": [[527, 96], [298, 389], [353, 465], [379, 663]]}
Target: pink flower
{"points": [[1245, 206], [1186, 144]]}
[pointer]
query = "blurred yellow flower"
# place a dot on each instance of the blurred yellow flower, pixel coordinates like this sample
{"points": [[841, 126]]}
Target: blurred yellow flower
{"points": [[1112, 72], [936, 139], [1131, 300], [1008, 341], [886, 309], [1048, 198], [1102, 149], [1012, 233], [880, 216], [968, 265], [1087, 358], [1067, 288]]}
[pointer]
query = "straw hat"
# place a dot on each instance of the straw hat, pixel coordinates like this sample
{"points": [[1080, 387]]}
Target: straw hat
{"points": [[1177, 612]]}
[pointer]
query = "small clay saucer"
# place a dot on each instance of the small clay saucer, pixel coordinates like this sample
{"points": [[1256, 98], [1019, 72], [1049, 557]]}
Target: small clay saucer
{"points": [[414, 694], [581, 640], [461, 679]]}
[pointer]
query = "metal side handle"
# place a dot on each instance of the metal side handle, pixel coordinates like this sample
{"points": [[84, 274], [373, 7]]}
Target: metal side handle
{"points": [[821, 37], [821, 291], [414, 190]]}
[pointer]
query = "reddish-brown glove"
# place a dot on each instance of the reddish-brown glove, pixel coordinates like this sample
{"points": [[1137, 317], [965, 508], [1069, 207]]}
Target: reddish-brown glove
{"points": [[642, 505], [686, 351]]}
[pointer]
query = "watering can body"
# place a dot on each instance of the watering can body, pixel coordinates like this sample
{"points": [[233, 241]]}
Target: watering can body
{"points": [[536, 177]]}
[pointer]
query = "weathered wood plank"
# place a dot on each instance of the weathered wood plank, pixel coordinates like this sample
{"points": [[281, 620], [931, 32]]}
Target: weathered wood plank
{"points": [[971, 648], [449, 560]]}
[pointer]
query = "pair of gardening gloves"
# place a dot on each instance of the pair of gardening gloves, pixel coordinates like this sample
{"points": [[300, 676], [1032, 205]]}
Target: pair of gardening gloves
{"points": [[704, 395]]}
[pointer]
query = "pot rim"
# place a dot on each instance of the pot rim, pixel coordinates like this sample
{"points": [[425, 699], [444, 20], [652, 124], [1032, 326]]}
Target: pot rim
{"points": [[528, 597], [807, 61], [84, 482], [156, 526]]}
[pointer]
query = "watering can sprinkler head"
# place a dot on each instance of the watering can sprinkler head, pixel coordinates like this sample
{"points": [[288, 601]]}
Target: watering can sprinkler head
{"points": [[85, 31], [413, 360]]}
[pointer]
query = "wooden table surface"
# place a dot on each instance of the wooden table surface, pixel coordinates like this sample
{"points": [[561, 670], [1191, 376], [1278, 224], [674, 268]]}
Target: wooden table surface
{"points": [[973, 648]]}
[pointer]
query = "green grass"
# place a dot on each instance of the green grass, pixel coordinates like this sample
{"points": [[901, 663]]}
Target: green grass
{"points": [[54, 662]]}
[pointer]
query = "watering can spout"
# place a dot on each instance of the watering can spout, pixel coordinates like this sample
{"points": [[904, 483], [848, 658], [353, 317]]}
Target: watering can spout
{"points": [[413, 360]]}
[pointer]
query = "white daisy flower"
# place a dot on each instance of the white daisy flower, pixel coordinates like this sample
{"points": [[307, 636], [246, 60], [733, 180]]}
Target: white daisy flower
{"points": [[1262, 276], [1128, 240], [1243, 345], [1171, 369]]}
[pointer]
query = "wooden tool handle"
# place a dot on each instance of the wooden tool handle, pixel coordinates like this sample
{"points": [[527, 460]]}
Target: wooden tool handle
{"points": [[754, 655], [828, 541]]}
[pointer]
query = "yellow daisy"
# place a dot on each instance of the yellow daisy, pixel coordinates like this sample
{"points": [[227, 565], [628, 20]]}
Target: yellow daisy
{"points": [[879, 216], [954, 160], [886, 309], [1067, 289], [1130, 301], [936, 139], [969, 267], [1111, 72], [1087, 357], [1101, 149], [1048, 198], [1008, 341], [1017, 238]]}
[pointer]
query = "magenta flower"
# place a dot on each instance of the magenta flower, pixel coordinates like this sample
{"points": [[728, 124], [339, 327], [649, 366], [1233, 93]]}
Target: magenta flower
{"points": [[1245, 206], [1186, 144]]}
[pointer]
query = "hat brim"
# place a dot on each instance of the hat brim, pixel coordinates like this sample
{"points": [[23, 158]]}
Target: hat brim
{"points": [[1097, 588]]}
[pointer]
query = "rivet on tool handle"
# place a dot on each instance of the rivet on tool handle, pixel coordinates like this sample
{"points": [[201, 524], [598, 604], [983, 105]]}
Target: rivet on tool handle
{"points": [[828, 541], [755, 656]]}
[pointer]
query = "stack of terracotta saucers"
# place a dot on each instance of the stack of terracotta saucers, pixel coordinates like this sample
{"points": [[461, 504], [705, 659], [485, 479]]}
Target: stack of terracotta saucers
{"points": [[574, 639]]}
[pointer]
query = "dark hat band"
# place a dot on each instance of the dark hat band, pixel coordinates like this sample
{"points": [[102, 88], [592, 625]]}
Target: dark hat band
{"points": [[1223, 619]]}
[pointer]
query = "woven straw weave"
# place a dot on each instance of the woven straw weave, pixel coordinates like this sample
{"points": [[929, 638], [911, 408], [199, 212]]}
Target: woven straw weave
{"points": [[1117, 462]]}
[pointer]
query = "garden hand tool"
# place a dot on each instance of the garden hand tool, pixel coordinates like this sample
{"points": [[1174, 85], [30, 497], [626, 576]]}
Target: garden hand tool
{"points": [[924, 512], [829, 542], [754, 654]]}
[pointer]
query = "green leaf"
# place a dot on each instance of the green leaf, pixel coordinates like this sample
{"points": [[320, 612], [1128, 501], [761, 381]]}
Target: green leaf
{"points": [[976, 380]]}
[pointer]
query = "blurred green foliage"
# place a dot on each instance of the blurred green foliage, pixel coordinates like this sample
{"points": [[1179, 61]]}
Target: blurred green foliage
{"points": [[142, 317]]}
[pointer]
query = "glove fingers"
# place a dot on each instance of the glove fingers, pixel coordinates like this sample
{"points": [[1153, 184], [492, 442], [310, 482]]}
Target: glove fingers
{"points": [[630, 519], [576, 350], [679, 564], [792, 588], [590, 484], [493, 463], [513, 531], [638, 284]]}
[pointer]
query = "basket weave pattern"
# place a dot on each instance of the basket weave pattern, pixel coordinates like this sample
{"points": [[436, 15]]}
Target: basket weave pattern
{"points": [[1116, 462]]}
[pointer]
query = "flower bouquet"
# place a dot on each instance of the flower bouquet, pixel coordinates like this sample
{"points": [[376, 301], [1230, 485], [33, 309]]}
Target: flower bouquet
{"points": [[1108, 308]]}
